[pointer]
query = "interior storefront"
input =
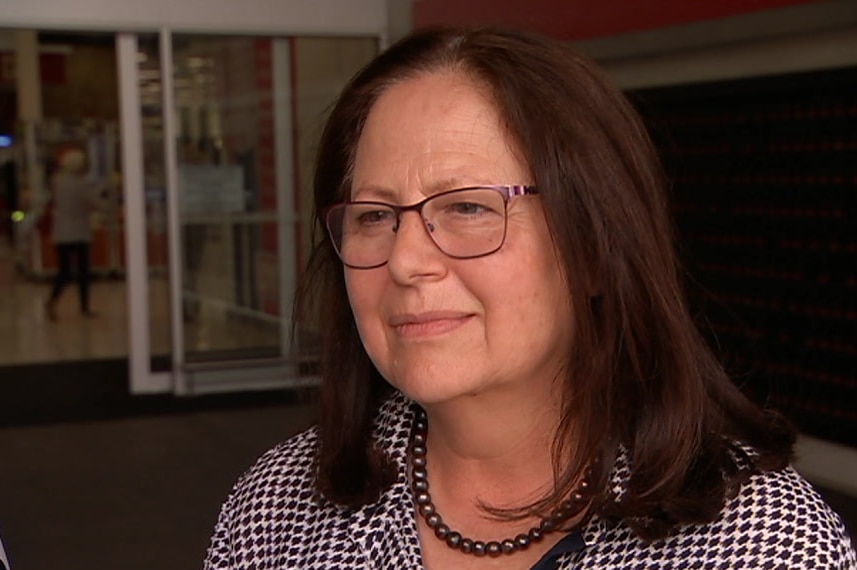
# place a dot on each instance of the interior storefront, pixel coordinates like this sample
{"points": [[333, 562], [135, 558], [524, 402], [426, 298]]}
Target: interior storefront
{"points": [[203, 215], [205, 224]]}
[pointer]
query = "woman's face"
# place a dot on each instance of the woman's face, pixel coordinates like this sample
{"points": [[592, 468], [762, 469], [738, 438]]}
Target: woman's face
{"points": [[439, 328]]}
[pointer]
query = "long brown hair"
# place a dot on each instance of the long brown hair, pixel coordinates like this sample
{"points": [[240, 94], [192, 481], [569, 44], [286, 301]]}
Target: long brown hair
{"points": [[640, 376]]}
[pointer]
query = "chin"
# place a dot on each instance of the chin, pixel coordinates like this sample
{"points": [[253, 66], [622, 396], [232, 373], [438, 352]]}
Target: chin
{"points": [[433, 391], [432, 377]]}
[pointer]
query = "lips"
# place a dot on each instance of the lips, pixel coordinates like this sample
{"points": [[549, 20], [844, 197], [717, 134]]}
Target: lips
{"points": [[428, 323]]}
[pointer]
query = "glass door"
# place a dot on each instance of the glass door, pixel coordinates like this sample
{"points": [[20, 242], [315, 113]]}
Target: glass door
{"points": [[228, 140], [235, 179]]}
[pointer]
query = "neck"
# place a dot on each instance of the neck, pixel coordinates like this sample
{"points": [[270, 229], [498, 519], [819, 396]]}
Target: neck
{"points": [[570, 509], [491, 442], [497, 421]]}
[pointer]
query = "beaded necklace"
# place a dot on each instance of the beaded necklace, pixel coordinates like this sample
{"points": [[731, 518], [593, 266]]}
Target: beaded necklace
{"points": [[569, 508]]}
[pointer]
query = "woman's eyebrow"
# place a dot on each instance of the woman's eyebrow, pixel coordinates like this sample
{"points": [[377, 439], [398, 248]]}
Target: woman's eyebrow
{"points": [[372, 192], [450, 183]]}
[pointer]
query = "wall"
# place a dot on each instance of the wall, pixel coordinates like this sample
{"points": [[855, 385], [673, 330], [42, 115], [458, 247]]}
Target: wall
{"points": [[583, 19], [88, 89], [258, 16], [673, 42], [803, 37]]}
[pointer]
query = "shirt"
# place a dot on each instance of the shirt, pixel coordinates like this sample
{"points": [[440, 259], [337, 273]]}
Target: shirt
{"points": [[275, 519], [75, 198]]}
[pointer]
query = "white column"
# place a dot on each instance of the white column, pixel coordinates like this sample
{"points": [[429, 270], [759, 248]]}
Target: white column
{"points": [[28, 80], [29, 87]]}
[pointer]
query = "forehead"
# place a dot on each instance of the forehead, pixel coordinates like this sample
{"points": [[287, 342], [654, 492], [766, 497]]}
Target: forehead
{"points": [[432, 133]]}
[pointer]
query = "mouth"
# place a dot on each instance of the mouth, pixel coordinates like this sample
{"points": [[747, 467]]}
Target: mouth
{"points": [[428, 324]]}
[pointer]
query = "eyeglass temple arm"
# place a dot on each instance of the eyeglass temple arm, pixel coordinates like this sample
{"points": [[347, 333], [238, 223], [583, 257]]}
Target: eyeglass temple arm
{"points": [[521, 190]]}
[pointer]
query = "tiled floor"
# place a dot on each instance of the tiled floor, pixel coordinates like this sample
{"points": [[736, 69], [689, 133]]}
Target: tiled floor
{"points": [[29, 337], [140, 493]]}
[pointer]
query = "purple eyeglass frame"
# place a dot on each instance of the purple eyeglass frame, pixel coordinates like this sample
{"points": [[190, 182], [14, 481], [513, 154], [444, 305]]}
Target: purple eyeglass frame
{"points": [[508, 191]]}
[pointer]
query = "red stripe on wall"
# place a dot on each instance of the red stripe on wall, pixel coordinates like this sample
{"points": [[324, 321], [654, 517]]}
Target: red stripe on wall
{"points": [[582, 19]]}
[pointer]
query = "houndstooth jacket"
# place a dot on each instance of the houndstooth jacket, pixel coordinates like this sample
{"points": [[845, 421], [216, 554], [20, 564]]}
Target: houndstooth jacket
{"points": [[274, 520]]}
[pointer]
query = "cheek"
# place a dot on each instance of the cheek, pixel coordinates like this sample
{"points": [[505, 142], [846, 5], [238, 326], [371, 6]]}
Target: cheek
{"points": [[359, 287], [364, 294], [528, 300]]}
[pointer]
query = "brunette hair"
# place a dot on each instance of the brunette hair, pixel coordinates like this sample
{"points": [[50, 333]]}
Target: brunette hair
{"points": [[640, 378]]}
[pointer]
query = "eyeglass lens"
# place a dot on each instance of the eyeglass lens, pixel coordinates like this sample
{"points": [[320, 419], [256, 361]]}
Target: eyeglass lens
{"points": [[462, 223]]}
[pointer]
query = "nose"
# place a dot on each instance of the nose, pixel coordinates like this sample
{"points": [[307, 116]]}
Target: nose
{"points": [[414, 254]]}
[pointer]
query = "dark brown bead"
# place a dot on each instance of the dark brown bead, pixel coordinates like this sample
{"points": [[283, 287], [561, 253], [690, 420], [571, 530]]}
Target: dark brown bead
{"points": [[522, 541], [562, 513], [420, 485], [548, 525], [442, 531], [422, 498], [466, 546], [419, 439], [419, 473], [418, 462], [427, 509], [536, 534], [507, 546], [418, 451], [493, 548], [478, 548], [453, 539], [420, 426], [433, 520], [567, 510]]}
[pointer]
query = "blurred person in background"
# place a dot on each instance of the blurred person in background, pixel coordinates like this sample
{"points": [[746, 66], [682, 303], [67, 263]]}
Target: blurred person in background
{"points": [[75, 196]]}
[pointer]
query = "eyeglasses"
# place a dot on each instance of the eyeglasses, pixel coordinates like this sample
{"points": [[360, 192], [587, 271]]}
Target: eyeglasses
{"points": [[463, 223]]}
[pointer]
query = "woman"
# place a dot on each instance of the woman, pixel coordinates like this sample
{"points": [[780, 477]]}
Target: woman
{"points": [[511, 378], [75, 198]]}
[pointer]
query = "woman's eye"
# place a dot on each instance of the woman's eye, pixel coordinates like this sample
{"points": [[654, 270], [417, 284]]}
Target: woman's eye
{"points": [[374, 217], [466, 208]]}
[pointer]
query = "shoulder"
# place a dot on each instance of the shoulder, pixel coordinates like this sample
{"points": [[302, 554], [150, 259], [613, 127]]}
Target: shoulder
{"points": [[283, 472], [789, 522], [274, 513], [285, 477], [276, 518], [776, 520]]}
